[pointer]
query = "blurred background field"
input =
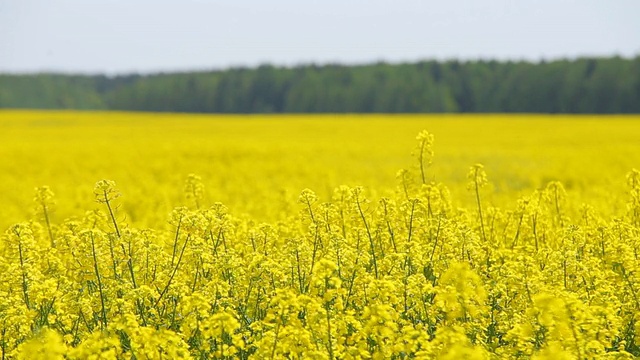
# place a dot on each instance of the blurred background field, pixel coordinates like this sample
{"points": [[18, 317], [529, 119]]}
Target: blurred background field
{"points": [[258, 164]]}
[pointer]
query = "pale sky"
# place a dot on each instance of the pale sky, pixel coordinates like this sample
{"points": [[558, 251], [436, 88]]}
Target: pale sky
{"points": [[123, 36]]}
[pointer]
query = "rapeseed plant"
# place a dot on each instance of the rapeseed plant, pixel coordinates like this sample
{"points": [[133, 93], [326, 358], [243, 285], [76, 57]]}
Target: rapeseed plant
{"points": [[410, 274]]}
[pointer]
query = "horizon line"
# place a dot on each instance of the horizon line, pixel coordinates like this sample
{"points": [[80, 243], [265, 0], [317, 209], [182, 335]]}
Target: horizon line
{"points": [[303, 64]]}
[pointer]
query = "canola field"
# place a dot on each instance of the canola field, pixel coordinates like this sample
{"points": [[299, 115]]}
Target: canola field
{"points": [[168, 236]]}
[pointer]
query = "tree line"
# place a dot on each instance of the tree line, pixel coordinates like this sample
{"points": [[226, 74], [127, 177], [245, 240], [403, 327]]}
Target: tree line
{"points": [[585, 85]]}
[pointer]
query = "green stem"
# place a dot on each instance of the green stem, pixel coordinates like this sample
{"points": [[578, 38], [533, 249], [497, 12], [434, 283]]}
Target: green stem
{"points": [[330, 345], [25, 285], [95, 268], [113, 218], [46, 219], [173, 273], [422, 145], [275, 342], [366, 225], [477, 187]]}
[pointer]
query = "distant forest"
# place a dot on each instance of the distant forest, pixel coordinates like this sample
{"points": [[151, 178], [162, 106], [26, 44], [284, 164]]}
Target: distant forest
{"points": [[586, 85]]}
